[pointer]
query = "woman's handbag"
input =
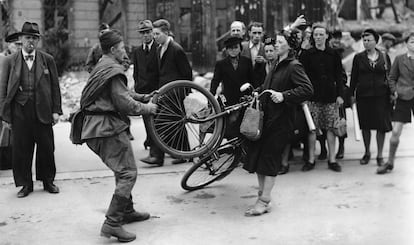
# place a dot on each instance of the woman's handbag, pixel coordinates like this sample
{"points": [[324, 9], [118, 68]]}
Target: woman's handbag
{"points": [[340, 123], [252, 123]]}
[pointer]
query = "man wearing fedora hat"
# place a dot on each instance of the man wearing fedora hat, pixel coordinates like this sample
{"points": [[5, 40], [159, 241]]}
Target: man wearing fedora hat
{"points": [[30, 102], [144, 59], [14, 45]]}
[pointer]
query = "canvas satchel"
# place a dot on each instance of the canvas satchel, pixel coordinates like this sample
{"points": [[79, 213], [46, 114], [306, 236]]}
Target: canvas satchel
{"points": [[252, 123]]}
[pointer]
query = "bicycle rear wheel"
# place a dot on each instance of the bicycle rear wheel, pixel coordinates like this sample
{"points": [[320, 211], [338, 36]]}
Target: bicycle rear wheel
{"points": [[212, 168], [173, 129]]}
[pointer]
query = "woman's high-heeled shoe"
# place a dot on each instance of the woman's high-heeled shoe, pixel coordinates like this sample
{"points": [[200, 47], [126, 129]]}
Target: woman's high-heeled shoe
{"points": [[385, 168], [283, 170], [365, 159], [261, 207], [380, 161]]}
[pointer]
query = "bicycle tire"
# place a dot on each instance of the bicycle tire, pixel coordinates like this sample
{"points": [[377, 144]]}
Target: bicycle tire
{"points": [[211, 169], [170, 129]]}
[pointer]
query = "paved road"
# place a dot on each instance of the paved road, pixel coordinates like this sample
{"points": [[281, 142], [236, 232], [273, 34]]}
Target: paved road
{"points": [[319, 207], [79, 162]]}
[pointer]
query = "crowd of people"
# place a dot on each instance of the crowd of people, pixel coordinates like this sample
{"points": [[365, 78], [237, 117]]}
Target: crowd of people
{"points": [[301, 64]]}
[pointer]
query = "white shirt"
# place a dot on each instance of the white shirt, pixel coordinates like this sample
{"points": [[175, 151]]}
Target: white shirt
{"points": [[164, 47], [254, 50], [29, 62], [144, 45]]}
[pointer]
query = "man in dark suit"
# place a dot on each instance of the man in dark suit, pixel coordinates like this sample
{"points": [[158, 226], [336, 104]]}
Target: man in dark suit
{"points": [[173, 65], [30, 101], [14, 45], [145, 63]]}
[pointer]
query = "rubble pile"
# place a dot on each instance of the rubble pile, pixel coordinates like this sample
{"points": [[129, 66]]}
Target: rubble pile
{"points": [[72, 83]]}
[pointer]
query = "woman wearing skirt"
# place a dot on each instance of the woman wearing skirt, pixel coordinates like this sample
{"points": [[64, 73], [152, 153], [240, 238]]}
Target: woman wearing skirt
{"points": [[369, 83]]}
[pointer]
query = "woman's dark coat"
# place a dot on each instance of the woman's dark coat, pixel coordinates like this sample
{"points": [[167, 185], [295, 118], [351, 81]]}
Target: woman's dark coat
{"points": [[367, 81], [288, 77]]}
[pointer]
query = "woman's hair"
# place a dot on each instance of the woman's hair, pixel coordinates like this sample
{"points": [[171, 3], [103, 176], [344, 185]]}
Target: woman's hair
{"points": [[368, 32], [315, 26], [292, 40]]}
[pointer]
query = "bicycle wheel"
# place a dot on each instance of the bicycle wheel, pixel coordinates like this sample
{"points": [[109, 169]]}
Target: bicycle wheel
{"points": [[175, 128], [212, 168]]}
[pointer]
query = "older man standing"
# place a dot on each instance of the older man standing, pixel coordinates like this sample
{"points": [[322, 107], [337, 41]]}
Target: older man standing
{"points": [[30, 101], [105, 101]]}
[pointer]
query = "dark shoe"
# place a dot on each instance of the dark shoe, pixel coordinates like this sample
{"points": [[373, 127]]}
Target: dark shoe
{"points": [[340, 153], [135, 217], [178, 161], [323, 155], [380, 161], [153, 161], [365, 159], [385, 168], [283, 170], [25, 191], [334, 166], [117, 231], [50, 187], [308, 166]]}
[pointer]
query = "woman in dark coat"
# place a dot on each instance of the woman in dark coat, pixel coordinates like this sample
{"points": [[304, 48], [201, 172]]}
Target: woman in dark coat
{"points": [[290, 86], [369, 84], [231, 73]]}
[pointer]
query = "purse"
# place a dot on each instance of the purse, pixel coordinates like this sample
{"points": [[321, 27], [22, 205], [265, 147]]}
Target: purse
{"points": [[252, 122], [340, 124]]}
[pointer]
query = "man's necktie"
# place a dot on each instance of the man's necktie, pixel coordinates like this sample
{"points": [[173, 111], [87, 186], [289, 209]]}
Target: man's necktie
{"points": [[146, 49], [29, 57]]}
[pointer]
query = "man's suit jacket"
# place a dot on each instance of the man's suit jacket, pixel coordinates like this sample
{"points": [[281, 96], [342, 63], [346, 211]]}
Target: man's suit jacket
{"points": [[174, 64], [231, 79], [246, 50], [145, 69], [47, 90]]}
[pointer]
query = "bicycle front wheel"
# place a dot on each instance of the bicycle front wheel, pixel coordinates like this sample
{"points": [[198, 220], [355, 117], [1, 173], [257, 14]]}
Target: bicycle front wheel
{"points": [[211, 168], [176, 128]]}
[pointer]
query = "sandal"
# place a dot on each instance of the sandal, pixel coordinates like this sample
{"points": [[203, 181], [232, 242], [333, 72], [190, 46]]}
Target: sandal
{"points": [[261, 207]]}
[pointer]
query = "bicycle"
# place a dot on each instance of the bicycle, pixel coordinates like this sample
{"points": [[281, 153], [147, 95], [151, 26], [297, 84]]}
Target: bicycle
{"points": [[190, 123]]}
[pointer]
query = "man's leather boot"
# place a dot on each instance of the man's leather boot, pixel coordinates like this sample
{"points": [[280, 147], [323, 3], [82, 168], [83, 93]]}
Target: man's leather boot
{"points": [[130, 215], [114, 216]]}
